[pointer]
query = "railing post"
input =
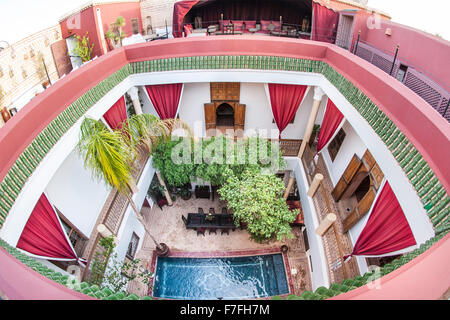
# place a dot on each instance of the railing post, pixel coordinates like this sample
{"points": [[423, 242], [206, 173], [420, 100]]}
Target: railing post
{"points": [[446, 108], [393, 62], [357, 42]]}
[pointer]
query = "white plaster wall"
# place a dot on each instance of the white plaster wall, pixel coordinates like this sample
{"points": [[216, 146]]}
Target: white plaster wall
{"points": [[352, 144], [319, 274], [148, 105], [191, 108], [78, 196]]}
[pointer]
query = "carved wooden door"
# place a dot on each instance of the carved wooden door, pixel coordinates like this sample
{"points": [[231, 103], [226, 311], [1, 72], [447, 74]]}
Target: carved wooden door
{"points": [[239, 116], [346, 178], [210, 115]]}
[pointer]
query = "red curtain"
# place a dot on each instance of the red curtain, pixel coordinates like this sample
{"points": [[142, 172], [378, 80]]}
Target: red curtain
{"points": [[331, 121], [117, 114], [165, 99], [387, 229], [325, 23], [285, 100], [180, 9], [44, 236]]}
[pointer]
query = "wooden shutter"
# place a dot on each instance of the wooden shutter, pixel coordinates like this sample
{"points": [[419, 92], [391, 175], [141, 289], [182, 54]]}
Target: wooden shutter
{"points": [[344, 181], [361, 209], [210, 116], [239, 116]]}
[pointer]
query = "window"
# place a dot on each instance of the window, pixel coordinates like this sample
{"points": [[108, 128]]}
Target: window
{"points": [[135, 25], [401, 72], [77, 239], [335, 144], [132, 246]]}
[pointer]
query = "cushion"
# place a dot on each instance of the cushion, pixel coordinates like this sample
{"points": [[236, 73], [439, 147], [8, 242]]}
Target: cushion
{"points": [[250, 24], [238, 25], [265, 24], [277, 25], [188, 29]]}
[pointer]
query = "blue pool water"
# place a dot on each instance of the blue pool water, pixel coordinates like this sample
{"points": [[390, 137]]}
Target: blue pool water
{"points": [[227, 278]]}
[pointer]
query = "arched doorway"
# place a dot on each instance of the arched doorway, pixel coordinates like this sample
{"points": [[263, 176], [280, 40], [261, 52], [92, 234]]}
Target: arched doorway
{"points": [[225, 115]]}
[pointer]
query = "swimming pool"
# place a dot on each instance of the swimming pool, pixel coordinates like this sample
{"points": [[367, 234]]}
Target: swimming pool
{"points": [[226, 278]]}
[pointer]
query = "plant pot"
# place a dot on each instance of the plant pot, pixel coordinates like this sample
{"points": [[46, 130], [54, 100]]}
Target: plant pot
{"points": [[164, 251], [186, 196]]}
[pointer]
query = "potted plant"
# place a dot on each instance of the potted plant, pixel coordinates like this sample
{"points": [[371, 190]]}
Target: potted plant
{"points": [[185, 193]]}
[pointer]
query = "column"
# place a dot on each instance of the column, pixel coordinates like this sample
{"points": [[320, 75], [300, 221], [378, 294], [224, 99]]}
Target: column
{"points": [[318, 94], [289, 187], [134, 95], [315, 184], [325, 224], [105, 232], [166, 193]]}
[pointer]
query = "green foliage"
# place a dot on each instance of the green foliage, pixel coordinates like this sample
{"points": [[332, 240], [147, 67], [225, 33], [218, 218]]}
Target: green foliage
{"points": [[83, 48], [101, 260], [106, 154], [108, 273], [256, 199], [215, 159], [176, 174], [116, 34]]}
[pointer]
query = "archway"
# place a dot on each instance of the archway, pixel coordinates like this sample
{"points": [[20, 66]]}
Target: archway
{"points": [[225, 115]]}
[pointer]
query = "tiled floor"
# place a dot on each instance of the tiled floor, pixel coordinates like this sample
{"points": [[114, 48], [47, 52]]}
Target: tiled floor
{"points": [[167, 226]]}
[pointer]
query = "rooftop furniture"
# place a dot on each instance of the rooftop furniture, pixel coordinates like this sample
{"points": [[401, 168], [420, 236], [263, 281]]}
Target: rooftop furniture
{"points": [[212, 211], [202, 192], [201, 231], [200, 210]]}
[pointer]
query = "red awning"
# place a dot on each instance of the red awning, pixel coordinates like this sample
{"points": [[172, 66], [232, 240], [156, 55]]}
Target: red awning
{"points": [[117, 114], [387, 229], [285, 100], [44, 236], [331, 121], [324, 24], [165, 99], [180, 9]]}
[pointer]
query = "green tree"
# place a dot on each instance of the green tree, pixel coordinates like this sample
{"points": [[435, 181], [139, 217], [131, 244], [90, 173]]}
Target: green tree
{"points": [[82, 48], [176, 174], [111, 160], [256, 199]]}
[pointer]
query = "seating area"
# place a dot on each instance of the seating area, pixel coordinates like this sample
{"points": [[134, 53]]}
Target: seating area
{"points": [[211, 221], [239, 27]]}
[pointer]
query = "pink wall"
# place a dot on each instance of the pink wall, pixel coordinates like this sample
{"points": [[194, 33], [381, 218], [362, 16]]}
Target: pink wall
{"points": [[109, 14], [19, 282], [129, 11], [424, 278], [426, 53]]}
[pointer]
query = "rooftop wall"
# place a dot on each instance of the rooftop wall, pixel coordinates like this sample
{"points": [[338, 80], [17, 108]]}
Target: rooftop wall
{"points": [[423, 51]]}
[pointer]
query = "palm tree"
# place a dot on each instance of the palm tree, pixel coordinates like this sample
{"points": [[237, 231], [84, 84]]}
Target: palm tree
{"points": [[110, 159]]}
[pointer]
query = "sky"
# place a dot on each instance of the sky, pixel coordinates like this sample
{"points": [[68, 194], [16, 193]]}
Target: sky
{"points": [[20, 18]]}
